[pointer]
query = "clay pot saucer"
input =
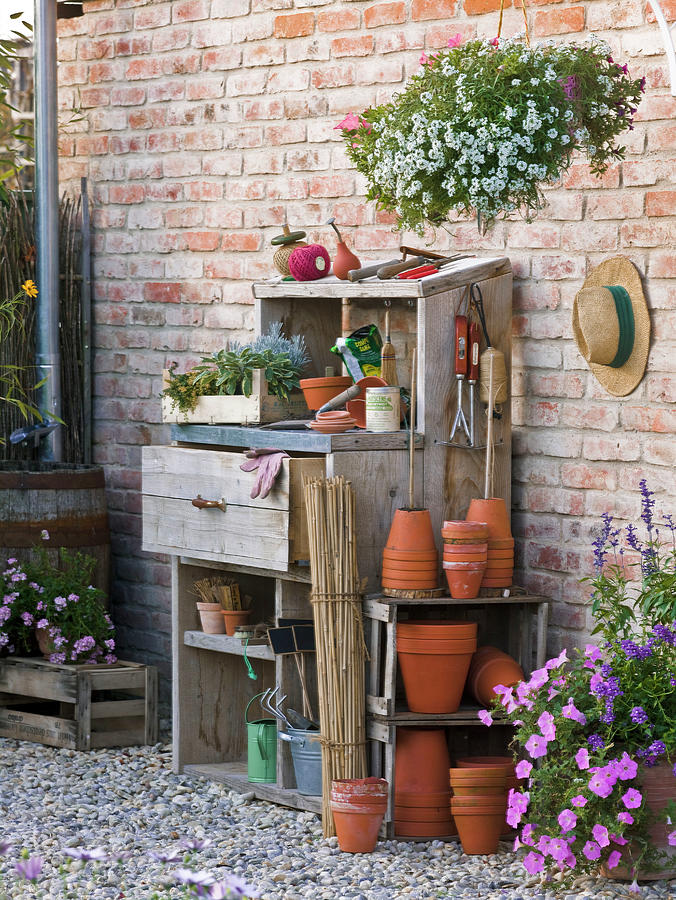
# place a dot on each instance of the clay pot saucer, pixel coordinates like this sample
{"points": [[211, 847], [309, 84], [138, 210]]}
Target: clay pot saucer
{"points": [[332, 427]]}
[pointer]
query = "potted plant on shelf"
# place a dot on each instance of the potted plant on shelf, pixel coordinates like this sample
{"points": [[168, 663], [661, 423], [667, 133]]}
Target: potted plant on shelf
{"points": [[57, 607], [251, 383], [596, 734], [483, 125]]}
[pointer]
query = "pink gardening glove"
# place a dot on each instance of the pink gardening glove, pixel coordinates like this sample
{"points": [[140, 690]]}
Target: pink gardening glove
{"points": [[268, 461]]}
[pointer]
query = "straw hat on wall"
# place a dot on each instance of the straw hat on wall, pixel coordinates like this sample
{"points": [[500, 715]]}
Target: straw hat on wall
{"points": [[611, 325]]}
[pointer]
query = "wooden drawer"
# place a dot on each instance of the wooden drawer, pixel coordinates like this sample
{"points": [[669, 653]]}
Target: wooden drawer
{"points": [[268, 533]]}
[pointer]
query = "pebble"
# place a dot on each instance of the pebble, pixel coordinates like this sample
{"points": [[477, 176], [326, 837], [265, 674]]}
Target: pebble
{"points": [[127, 799]]}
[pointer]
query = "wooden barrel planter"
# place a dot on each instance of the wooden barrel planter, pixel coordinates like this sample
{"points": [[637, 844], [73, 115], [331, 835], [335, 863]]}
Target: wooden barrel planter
{"points": [[67, 500]]}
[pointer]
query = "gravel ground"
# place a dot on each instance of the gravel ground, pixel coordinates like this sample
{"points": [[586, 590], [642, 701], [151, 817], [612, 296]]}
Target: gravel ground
{"points": [[128, 800]]}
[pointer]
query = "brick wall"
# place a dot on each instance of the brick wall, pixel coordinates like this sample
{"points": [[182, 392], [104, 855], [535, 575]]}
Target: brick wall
{"points": [[207, 124]]}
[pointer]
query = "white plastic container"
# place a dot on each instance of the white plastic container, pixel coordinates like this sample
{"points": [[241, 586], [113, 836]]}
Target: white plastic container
{"points": [[382, 409]]}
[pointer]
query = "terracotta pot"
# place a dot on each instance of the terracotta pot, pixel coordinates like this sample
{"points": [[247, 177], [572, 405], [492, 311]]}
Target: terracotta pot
{"points": [[411, 555], [359, 790], [433, 674], [465, 529], [479, 826], [499, 571], [357, 409], [494, 513], [411, 529], [45, 642], [478, 782], [501, 544], [436, 645], [435, 628], [476, 547], [235, 617], [358, 806], [318, 391], [397, 565], [464, 583], [410, 583], [421, 762], [490, 668], [480, 762], [466, 557], [424, 829], [496, 582], [423, 813], [500, 554], [211, 618], [421, 799], [334, 415]]}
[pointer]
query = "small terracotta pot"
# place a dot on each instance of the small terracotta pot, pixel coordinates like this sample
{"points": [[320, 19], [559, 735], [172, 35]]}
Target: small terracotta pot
{"points": [[418, 800], [318, 391], [428, 556], [464, 583], [494, 513], [421, 763], [411, 583], [436, 628], [411, 529], [466, 557], [478, 782], [45, 642], [358, 819], [235, 617], [501, 544], [479, 826], [397, 565], [480, 762], [344, 260], [211, 618], [334, 415], [490, 667], [461, 529], [501, 554]]}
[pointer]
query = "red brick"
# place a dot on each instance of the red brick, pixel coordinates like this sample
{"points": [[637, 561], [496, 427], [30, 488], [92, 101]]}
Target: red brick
{"points": [[288, 79], [552, 499], [385, 14], [332, 186], [267, 108], [203, 190], [558, 267], [601, 418], [94, 97], [652, 234], [172, 38], [132, 46], [668, 8], [222, 58], [660, 203], [555, 558], [139, 69], [189, 10], [536, 235], [263, 55], [289, 189], [432, 9], [204, 89], [580, 475], [128, 96], [663, 264], [264, 216], [202, 240], [99, 49], [662, 138], [361, 45], [153, 16], [338, 20], [162, 292], [305, 107], [379, 71], [395, 41], [615, 205], [287, 133], [559, 21], [661, 388], [589, 236], [477, 7], [127, 193], [579, 175], [645, 418], [334, 76], [543, 413], [656, 107], [295, 25]]}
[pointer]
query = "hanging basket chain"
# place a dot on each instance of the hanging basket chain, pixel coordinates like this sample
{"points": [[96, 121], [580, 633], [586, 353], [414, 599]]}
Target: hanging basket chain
{"points": [[525, 19]]}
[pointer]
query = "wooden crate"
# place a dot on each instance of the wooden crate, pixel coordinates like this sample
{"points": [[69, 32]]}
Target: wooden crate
{"points": [[257, 409], [80, 707]]}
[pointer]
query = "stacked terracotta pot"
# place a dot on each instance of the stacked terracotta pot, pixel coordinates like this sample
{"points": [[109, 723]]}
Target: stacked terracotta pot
{"points": [[511, 781], [490, 667], [465, 557], [410, 559], [422, 796], [434, 657], [358, 806], [500, 558], [479, 806]]}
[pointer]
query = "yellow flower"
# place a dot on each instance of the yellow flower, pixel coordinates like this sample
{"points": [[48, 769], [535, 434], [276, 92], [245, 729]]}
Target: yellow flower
{"points": [[29, 287]]}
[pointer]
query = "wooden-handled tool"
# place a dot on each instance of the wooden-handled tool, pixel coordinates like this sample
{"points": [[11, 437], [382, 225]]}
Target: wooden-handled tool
{"points": [[473, 373], [388, 358], [341, 399], [369, 271], [389, 270], [461, 369]]}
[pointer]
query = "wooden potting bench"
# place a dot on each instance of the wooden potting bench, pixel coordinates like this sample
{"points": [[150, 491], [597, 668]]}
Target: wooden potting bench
{"points": [[263, 542]]}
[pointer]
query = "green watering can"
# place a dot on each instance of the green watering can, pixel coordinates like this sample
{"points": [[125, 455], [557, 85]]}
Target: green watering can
{"points": [[261, 747]]}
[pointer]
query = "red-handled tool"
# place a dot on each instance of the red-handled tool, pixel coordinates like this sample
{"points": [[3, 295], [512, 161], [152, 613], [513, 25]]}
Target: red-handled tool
{"points": [[473, 372], [461, 371]]}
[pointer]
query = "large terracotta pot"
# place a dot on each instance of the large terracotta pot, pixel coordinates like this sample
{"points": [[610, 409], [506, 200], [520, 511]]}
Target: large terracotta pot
{"points": [[490, 667], [434, 672], [411, 529], [493, 512], [421, 762], [479, 824], [318, 391], [411, 555], [409, 581], [420, 799], [441, 814], [358, 806], [426, 629]]}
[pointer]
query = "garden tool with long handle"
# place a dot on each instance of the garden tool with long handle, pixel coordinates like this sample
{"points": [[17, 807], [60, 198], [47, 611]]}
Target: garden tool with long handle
{"points": [[473, 375], [460, 364]]}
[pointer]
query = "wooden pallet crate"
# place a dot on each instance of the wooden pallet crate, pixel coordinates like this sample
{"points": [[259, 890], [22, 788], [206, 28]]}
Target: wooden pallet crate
{"points": [[80, 707]]}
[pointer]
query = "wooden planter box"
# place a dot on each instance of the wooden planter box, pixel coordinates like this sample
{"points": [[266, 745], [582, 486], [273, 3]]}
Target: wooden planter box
{"points": [[258, 409], [78, 707]]}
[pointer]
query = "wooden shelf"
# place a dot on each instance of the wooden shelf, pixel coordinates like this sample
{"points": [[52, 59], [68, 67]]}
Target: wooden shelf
{"points": [[234, 775], [223, 643], [296, 441], [466, 715]]}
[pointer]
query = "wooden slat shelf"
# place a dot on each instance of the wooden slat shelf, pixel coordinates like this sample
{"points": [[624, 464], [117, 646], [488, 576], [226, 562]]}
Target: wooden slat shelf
{"points": [[234, 775], [292, 441], [466, 715], [223, 643]]}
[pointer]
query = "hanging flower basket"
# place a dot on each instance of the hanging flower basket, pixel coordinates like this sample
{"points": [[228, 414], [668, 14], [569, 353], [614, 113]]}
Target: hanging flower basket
{"points": [[482, 126]]}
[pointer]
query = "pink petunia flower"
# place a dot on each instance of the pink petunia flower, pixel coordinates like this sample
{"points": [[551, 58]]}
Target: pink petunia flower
{"points": [[536, 745], [559, 849], [567, 820], [557, 661], [533, 862], [547, 726], [350, 123], [582, 758], [625, 817], [613, 859], [632, 799], [591, 850], [455, 41], [600, 835], [424, 59], [570, 711], [671, 839], [539, 678], [523, 769], [485, 717], [527, 834], [543, 844], [600, 785], [625, 767], [579, 801], [592, 652], [618, 839]]}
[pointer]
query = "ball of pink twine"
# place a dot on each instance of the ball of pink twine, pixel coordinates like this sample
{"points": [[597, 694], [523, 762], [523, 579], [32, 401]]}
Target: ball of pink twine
{"points": [[309, 263]]}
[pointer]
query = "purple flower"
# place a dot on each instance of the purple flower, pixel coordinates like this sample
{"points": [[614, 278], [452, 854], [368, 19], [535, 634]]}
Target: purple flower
{"points": [[647, 504], [547, 726], [29, 868], [198, 881], [625, 767], [618, 839], [596, 742], [671, 838], [60, 602], [523, 769], [43, 623], [557, 661], [570, 711], [27, 618], [536, 745], [232, 887], [44, 534], [591, 850], [559, 849], [539, 678], [613, 859], [527, 834], [5, 847], [196, 843], [96, 853], [638, 715], [485, 717], [632, 799], [167, 856], [533, 862], [600, 541], [600, 784], [582, 758], [579, 801], [626, 818], [600, 835], [567, 820]]}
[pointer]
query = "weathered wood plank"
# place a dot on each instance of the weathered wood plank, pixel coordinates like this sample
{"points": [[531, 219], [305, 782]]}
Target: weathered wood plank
{"points": [[49, 730], [132, 737], [44, 684], [307, 441], [151, 711], [223, 643], [234, 775], [102, 709]]}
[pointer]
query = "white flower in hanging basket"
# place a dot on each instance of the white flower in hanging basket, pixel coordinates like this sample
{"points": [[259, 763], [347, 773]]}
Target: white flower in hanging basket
{"points": [[483, 125]]}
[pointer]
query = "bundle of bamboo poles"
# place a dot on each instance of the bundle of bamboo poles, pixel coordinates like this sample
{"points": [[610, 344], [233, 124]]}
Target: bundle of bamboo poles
{"points": [[339, 633]]}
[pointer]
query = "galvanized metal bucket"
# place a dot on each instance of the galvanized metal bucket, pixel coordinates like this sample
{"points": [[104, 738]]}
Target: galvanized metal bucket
{"points": [[306, 753]]}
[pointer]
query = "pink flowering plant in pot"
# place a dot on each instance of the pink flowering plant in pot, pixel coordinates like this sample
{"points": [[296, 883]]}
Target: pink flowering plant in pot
{"points": [[56, 607], [591, 728]]}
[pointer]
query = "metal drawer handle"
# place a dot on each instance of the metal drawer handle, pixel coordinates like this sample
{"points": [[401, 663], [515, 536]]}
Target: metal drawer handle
{"points": [[209, 504]]}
